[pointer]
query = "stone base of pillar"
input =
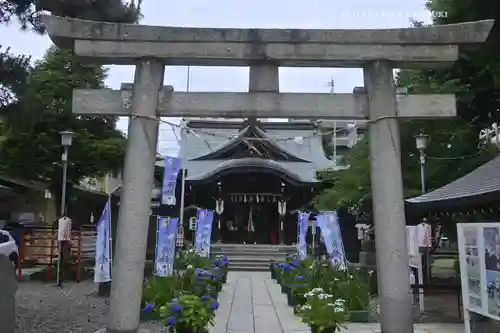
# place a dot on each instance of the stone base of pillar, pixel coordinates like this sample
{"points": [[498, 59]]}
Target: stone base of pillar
{"points": [[104, 289], [140, 330]]}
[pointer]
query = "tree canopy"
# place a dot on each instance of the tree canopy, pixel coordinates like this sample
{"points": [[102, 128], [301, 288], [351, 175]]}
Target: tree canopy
{"points": [[455, 147], [31, 143], [35, 99]]}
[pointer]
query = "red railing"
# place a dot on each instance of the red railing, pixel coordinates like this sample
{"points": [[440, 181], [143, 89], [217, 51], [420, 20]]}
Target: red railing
{"points": [[39, 247]]}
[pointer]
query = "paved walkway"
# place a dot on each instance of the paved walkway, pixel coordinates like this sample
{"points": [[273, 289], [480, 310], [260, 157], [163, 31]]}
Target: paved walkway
{"points": [[252, 303]]}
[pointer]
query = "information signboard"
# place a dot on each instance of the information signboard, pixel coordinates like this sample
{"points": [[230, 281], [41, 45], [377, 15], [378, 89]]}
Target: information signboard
{"points": [[479, 251]]}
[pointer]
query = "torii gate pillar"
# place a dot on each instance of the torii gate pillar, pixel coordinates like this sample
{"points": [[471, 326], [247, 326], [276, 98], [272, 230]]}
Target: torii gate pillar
{"points": [[135, 202], [387, 199]]}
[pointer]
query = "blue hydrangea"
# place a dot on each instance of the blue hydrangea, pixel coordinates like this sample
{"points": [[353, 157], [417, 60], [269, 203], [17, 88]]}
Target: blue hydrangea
{"points": [[171, 321], [214, 305], [149, 307], [177, 307]]}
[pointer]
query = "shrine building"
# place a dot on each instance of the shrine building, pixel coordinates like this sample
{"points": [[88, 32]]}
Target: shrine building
{"points": [[256, 174]]}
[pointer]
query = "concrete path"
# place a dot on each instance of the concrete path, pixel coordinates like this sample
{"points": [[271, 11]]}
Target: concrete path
{"points": [[252, 303]]}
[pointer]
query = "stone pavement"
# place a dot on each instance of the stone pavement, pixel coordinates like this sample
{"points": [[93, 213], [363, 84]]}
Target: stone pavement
{"points": [[252, 303]]}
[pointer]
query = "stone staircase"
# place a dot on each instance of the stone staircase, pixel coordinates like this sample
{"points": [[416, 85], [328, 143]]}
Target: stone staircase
{"points": [[252, 257]]}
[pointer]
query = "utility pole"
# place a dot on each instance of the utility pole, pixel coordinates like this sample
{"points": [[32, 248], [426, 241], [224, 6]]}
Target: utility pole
{"points": [[183, 136], [331, 84]]}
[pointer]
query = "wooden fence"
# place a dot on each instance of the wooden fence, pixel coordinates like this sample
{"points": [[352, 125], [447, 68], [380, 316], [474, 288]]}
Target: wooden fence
{"points": [[39, 247]]}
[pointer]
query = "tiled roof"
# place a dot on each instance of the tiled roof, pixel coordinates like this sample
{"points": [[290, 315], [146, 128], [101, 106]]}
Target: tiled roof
{"points": [[477, 186], [252, 162], [251, 131]]}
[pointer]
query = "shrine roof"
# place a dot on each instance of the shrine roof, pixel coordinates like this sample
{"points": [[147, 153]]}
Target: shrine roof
{"points": [[243, 139], [210, 137], [480, 186], [286, 170]]}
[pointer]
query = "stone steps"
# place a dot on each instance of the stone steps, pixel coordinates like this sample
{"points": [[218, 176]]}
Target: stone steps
{"points": [[248, 268], [251, 257]]}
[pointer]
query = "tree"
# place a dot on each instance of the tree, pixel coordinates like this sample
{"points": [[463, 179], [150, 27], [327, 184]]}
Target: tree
{"points": [[475, 78], [32, 151], [14, 69], [455, 148], [28, 11], [35, 101], [452, 152]]}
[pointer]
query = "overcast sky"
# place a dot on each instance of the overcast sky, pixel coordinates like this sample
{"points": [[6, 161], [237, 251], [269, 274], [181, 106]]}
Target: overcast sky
{"points": [[327, 14]]}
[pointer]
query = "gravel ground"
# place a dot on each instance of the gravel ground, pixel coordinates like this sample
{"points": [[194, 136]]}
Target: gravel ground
{"points": [[73, 309]]}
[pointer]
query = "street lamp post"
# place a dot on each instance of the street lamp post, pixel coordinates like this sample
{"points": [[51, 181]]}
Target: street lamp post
{"points": [[66, 141], [421, 142]]}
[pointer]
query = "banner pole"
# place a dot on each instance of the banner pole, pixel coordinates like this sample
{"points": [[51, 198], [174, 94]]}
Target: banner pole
{"points": [[110, 237], [156, 243]]}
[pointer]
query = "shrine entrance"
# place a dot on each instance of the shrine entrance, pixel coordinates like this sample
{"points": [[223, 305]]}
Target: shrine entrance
{"points": [[253, 205], [249, 218]]}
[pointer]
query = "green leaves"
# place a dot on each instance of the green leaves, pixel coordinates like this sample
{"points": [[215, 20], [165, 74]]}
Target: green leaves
{"points": [[190, 312], [454, 148], [31, 146], [346, 186], [28, 11], [35, 101]]}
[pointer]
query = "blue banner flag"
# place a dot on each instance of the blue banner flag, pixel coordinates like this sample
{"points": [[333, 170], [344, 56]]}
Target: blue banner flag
{"points": [[200, 220], [102, 268], [165, 245], [203, 233], [170, 171], [301, 241], [206, 238], [332, 237]]}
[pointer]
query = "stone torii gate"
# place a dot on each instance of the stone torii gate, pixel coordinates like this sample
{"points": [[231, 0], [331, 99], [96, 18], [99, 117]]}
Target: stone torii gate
{"points": [[152, 48]]}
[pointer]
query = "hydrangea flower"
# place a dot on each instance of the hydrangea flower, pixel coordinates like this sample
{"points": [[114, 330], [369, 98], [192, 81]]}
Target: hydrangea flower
{"points": [[171, 321], [177, 307], [149, 307], [214, 305]]}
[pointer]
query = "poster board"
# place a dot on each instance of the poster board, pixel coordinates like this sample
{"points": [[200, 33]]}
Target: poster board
{"points": [[479, 251]]}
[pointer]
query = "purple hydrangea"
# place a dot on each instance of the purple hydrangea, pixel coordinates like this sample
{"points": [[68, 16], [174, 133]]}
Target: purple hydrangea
{"points": [[214, 305], [149, 307], [171, 321], [177, 307]]}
